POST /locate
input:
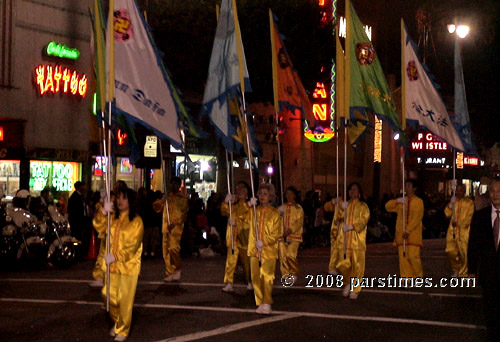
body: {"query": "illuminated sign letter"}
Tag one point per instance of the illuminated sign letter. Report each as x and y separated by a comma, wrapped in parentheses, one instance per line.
(40, 77)
(319, 111)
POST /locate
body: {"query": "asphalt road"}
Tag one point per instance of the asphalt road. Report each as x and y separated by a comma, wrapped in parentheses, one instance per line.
(58, 305)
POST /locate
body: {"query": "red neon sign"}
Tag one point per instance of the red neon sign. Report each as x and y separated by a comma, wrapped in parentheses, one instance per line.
(426, 141)
(1, 133)
(121, 137)
(320, 91)
(55, 79)
(471, 161)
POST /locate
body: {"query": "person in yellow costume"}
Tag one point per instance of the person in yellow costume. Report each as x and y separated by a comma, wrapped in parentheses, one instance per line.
(334, 230)
(410, 265)
(124, 259)
(456, 244)
(238, 250)
(174, 215)
(265, 246)
(293, 222)
(352, 216)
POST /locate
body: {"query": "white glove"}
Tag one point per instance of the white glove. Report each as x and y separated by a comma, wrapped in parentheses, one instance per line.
(453, 183)
(453, 200)
(228, 198)
(347, 227)
(108, 207)
(110, 258)
(231, 222)
(253, 201)
(344, 205)
(281, 210)
(259, 244)
(400, 200)
(334, 201)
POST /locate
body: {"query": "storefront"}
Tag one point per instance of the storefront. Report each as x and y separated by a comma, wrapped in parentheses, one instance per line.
(9, 176)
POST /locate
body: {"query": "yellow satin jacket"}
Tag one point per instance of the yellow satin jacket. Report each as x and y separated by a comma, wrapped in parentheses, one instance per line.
(358, 215)
(240, 216)
(177, 211)
(293, 217)
(125, 242)
(464, 209)
(414, 215)
(270, 229)
(101, 230)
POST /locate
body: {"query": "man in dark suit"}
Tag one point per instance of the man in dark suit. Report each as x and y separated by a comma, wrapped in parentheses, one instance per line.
(77, 215)
(484, 257)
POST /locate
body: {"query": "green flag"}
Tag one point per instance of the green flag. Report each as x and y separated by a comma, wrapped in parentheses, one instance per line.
(366, 87)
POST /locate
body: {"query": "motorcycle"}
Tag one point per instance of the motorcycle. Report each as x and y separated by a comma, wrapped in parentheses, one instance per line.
(63, 248)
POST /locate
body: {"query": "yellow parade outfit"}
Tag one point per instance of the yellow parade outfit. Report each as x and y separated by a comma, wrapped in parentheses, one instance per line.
(353, 265)
(456, 247)
(177, 212)
(97, 272)
(410, 266)
(293, 222)
(329, 207)
(241, 231)
(269, 226)
(126, 247)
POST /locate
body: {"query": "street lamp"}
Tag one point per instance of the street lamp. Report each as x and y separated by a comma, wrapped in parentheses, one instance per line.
(461, 30)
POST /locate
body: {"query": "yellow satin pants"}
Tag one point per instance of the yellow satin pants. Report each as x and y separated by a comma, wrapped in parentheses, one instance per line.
(263, 279)
(172, 250)
(410, 266)
(288, 257)
(97, 272)
(353, 266)
(332, 265)
(232, 262)
(457, 254)
(121, 301)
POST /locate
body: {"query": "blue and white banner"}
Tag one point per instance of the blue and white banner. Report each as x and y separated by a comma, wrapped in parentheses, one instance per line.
(224, 75)
(461, 119)
(423, 102)
(142, 88)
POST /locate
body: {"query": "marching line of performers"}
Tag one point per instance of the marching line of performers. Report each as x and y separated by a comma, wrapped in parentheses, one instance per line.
(257, 233)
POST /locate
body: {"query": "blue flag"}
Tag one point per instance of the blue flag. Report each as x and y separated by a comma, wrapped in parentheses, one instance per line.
(461, 120)
(224, 75)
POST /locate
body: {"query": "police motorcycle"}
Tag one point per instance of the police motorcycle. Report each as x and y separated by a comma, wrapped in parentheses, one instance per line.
(63, 248)
(22, 238)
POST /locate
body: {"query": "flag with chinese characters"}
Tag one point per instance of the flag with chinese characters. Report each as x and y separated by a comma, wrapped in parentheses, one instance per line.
(289, 93)
(423, 104)
(143, 89)
(461, 120)
(366, 87)
(224, 79)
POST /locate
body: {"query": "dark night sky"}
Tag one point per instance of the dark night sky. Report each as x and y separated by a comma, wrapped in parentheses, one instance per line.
(480, 50)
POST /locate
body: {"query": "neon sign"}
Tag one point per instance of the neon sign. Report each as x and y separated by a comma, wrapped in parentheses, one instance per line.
(121, 137)
(56, 79)
(59, 175)
(1, 133)
(62, 51)
(377, 143)
(473, 161)
(320, 112)
(428, 142)
(460, 160)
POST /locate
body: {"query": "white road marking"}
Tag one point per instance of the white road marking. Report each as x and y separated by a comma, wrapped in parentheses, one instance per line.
(291, 313)
(228, 328)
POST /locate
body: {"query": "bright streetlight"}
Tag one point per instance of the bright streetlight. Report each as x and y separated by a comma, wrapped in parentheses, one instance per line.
(461, 30)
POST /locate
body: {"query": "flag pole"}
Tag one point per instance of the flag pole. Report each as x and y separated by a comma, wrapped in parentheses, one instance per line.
(454, 187)
(230, 204)
(276, 110)
(403, 125)
(345, 184)
(249, 152)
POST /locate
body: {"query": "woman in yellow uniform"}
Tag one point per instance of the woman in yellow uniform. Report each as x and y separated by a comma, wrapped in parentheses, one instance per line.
(241, 229)
(410, 265)
(334, 232)
(352, 218)
(456, 244)
(265, 246)
(124, 259)
(293, 222)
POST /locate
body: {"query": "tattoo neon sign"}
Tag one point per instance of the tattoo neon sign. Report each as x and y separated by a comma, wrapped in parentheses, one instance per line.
(56, 79)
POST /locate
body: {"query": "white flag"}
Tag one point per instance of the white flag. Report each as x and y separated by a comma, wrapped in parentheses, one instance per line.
(423, 102)
(142, 88)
